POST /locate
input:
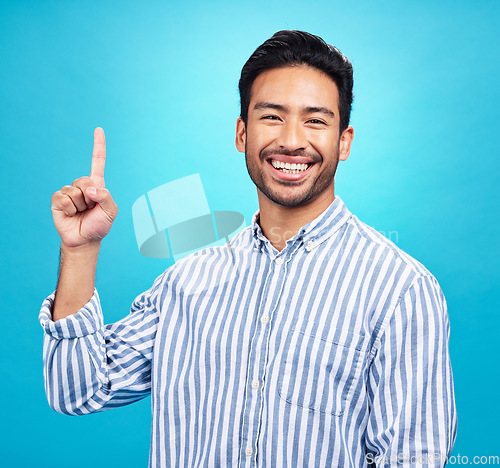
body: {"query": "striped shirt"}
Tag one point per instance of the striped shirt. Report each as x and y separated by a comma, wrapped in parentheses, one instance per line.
(332, 352)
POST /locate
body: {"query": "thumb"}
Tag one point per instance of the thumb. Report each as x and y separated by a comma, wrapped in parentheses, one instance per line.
(103, 197)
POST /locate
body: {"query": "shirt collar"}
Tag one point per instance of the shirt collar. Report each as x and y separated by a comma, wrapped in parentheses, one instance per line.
(314, 232)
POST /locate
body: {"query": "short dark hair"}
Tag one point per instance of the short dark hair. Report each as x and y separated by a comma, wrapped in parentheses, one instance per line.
(291, 48)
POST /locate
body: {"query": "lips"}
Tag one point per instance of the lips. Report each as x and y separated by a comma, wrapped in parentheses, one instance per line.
(290, 169)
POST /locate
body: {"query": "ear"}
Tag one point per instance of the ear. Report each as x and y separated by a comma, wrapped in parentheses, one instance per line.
(241, 135)
(345, 143)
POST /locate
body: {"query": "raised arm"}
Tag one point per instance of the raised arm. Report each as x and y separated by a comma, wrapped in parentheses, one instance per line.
(89, 366)
(83, 213)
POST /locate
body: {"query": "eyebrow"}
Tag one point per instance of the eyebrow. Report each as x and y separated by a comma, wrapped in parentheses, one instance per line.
(270, 105)
(321, 110)
(280, 107)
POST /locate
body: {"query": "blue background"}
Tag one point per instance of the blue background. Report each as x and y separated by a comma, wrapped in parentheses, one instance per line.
(161, 79)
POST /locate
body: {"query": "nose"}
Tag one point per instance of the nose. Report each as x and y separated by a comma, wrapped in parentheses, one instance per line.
(292, 137)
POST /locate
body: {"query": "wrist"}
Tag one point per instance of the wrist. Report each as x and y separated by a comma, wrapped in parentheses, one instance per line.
(86, 250)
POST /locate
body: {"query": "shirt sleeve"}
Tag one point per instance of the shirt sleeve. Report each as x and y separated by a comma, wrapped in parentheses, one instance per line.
(90, 367)
(412, 418)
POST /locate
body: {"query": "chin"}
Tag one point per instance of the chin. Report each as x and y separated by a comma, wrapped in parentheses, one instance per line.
(292, 200)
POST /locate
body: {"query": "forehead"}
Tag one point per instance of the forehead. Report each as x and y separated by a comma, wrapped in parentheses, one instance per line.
(300, 86)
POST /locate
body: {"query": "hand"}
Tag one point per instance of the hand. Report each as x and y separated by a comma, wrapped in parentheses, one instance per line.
(84, 211)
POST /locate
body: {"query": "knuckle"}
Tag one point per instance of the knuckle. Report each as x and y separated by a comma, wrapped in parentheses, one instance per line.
(57, 198)
(82, 182)
(64, 203)
(68, 190)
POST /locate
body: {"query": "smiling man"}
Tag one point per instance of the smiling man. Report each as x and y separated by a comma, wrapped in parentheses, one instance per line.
(308, 340)
(292, 140)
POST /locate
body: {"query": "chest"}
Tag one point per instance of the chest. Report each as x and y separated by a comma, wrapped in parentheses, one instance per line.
(292, 332)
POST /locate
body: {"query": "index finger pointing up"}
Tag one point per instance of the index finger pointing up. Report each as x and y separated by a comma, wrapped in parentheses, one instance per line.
(98, 158)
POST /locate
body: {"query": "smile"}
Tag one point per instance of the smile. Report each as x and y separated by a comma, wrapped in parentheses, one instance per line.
(289, 168)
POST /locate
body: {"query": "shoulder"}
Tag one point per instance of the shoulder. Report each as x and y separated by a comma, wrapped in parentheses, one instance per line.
(402, 273)
(386, 249)
(412, 282)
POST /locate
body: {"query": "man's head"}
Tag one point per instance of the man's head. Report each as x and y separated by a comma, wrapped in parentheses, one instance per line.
(292, 48)
(292, 128)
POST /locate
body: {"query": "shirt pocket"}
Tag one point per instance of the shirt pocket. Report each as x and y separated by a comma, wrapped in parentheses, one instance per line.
(322, 375)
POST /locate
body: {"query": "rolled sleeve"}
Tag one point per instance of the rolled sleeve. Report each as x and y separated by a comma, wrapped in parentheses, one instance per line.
(89, 366)
(87, 321)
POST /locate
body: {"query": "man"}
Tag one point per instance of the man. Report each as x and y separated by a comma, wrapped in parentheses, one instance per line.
(308, 340)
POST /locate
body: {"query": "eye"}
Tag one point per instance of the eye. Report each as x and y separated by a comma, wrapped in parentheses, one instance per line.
(316, 122)
(270, 117)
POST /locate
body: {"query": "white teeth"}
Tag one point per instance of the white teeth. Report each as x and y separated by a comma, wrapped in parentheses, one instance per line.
(289, 168)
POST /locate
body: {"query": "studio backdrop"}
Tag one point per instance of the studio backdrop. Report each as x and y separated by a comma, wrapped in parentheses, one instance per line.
(161, 79)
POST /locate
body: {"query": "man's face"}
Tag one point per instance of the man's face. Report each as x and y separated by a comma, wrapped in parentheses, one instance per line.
(291, 140)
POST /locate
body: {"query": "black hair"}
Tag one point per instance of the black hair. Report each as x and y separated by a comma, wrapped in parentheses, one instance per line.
(290, 48)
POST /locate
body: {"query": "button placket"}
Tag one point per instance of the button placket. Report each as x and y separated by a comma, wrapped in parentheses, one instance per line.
(258, 358)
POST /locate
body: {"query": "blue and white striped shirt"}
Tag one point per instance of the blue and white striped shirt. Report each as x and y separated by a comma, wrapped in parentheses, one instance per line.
(332, 352)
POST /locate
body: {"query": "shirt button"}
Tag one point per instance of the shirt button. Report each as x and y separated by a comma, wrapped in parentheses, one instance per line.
(255, 384)
(279, 261)
(264, 319)
(310, 244)
(249, 451)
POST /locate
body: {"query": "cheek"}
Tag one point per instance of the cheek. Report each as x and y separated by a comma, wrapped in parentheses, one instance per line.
(261, 136)
(326, 146)
(326, 140)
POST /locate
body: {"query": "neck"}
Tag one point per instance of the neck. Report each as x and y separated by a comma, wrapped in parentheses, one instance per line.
(280, 223)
